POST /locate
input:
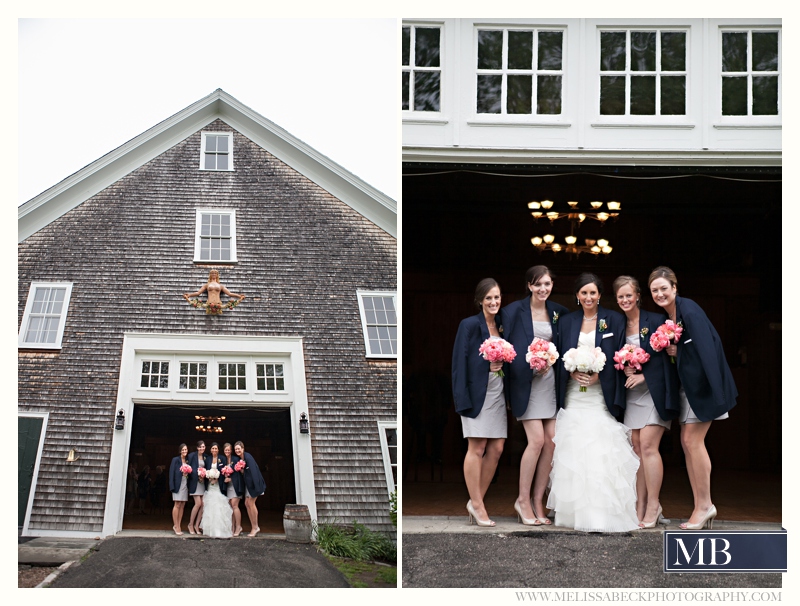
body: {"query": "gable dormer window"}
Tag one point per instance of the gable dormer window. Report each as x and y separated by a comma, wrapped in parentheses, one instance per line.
(215, 235)
(45, 315)
(217, 151)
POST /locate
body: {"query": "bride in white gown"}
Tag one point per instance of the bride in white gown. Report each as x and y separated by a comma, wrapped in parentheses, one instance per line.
(216, 510)
(593, 479)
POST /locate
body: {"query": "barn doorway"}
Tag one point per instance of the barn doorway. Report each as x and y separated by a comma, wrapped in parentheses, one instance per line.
(156, 432)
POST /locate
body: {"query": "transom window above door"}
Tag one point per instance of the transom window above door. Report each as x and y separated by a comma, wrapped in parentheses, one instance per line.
(519, 71)
(215, 236)
(421, 68)
(643, 73)
(750, 73)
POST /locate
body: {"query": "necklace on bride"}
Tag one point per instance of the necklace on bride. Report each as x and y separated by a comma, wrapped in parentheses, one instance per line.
(592, 318)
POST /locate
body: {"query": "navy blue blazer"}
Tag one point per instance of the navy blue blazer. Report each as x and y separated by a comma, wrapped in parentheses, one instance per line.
(659, 373)
(192, 480)
(252, 477)
(237, 482)
(518, 326)
(609, 340)
(175, 475)
(702, 367)
(470, 371)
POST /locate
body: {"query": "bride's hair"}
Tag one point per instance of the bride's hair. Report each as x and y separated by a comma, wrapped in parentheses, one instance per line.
(212, 445)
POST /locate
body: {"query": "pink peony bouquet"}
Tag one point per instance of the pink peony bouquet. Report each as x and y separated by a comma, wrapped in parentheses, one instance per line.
(497, 350)
(240, 465)
(666, 334)
(630, 355)
(186, 469)
(585, 359)
(212, 474)
(227, 471)
(201, 473)
(542, 354)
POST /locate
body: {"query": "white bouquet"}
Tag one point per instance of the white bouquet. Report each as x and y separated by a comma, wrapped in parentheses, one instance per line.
(585, 359)
(212, 473)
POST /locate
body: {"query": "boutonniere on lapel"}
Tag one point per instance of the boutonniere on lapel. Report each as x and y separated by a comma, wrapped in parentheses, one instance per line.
(500, 329)
(643, 333)
(555, 317)
(601, 325)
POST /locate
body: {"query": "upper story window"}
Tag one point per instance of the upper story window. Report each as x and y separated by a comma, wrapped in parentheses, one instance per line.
(388, 435)
(215, 236)
(519, 71)
(155, 374)
(643, 73)
(379, 323)
(422, 70)
(750, 73)
(232, 377)
(45, 315)
(193, 375)
(216, 151)
(269, 377)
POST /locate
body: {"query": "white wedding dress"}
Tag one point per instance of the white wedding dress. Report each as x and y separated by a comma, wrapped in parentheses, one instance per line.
(593, 479)
(217, 513)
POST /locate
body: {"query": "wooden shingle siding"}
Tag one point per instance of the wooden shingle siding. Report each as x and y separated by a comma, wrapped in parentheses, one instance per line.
(128, 251)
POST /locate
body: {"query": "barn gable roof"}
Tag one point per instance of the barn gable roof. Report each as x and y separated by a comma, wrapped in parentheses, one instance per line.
(85, 183)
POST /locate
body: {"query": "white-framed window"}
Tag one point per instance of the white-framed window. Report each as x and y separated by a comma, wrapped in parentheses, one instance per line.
(155, 374)
(216, 152)
(379, 322)
(215, 235)
(422, 68)
(193, 376)
(45, 315)
(388, 435)
(643, 72)
(751, 72)
(519, 71)
(232, 376)
(269, 377)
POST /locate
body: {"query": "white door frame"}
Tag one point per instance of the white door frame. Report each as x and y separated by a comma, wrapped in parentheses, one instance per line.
(45, 417)
(288, 350)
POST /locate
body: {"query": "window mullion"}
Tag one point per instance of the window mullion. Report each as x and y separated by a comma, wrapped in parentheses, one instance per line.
(504, 75)
(412, 64)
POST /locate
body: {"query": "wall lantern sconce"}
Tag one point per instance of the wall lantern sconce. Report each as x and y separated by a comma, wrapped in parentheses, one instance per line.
(72, 457)
(120, 422)
(303, 423)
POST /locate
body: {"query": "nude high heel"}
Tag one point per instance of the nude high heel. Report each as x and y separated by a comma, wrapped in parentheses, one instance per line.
(708, 518)
(534, 521)
(478, 521)
(652, 524)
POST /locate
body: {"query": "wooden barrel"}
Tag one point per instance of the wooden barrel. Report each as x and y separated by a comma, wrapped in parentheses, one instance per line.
(297, 523)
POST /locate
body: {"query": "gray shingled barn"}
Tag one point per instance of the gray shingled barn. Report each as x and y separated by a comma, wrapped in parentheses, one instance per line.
(116, 368)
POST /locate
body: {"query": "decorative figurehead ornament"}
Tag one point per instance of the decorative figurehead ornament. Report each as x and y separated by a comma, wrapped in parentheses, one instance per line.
(213, 305)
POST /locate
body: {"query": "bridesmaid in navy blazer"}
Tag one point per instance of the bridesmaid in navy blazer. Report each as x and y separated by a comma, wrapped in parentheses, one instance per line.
(708, 391)
(479, 397)
(254, 486)
(652, 398)
(178, 487)
(194, 489)
(233, 488)
(539, 423)
(609, 329)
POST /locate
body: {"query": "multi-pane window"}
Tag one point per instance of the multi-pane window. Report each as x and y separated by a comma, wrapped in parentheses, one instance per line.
(217, 151)
(643, 73)
(269, 377)
(215, 235)
(155, 374)
(422, 70)
(232, 377)
(379, 322)
(193, 375)
(45, 315)
(388, 435)
(750, 73)
(519, 71)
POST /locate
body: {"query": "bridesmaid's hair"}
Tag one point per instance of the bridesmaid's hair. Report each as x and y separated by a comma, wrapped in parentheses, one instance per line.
(588, 278)
(199, 442)
(181, 447)
(481, 289)
(622, 281)
(665, 272)
(225, 445)
(239, 443)
(536, 273)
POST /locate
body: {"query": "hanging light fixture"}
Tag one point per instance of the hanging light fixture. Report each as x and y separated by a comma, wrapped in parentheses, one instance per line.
(575, 218)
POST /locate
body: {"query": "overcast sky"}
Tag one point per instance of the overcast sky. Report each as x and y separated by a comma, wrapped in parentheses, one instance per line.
(86, 86)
